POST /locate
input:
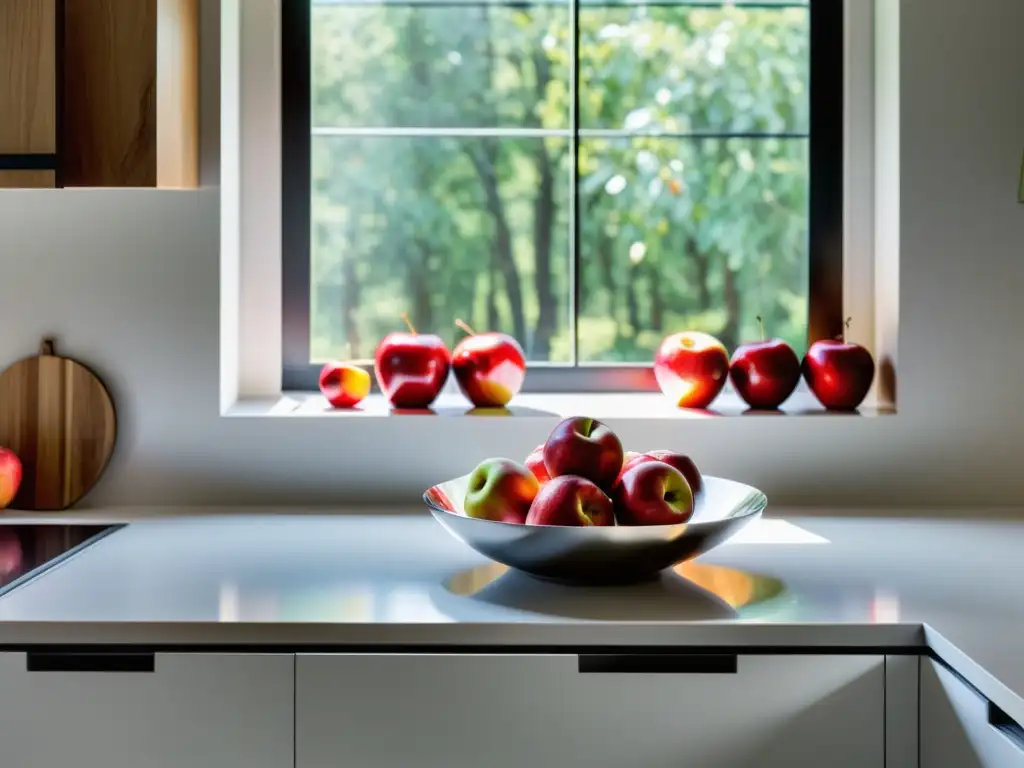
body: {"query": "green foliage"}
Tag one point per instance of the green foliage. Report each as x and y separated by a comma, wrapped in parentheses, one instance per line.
(675, 233)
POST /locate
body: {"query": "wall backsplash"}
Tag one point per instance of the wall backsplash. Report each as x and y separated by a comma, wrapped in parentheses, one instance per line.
(127, 281)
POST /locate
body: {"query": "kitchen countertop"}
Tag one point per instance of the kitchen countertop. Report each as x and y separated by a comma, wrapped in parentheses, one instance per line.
(296, 579)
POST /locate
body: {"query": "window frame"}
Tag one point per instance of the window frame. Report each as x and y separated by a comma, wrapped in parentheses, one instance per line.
(826, 204)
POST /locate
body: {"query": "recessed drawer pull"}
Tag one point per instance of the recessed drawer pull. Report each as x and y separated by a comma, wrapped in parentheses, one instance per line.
(90, 662)
(1006, 725)
(658, 663)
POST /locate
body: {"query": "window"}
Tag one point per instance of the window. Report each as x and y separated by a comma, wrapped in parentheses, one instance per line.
(587, 175)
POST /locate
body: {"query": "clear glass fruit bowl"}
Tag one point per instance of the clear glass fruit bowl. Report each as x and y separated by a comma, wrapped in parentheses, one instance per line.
(600, 554)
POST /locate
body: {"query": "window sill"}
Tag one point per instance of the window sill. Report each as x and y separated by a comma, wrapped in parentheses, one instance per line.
(543, 405)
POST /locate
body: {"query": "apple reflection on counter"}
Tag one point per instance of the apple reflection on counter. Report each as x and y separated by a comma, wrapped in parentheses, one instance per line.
(23, 548)
(690, 591)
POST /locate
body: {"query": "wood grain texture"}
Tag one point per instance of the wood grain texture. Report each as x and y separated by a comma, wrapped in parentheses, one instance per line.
(27, 179)
(28, 66)
(59, 418)
(177, 93)
(109, 127)
(131, 93)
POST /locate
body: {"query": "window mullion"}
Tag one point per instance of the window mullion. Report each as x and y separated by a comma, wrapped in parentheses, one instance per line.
(574, 167)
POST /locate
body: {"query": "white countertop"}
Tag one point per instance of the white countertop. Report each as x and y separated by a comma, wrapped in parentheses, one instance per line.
(296, 579)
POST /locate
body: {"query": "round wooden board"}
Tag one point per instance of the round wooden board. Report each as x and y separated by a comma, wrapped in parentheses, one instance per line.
(57, 416)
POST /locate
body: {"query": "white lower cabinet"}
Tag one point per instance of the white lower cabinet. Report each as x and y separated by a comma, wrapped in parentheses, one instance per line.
(190, 711)
(541, 711)
(957, 728)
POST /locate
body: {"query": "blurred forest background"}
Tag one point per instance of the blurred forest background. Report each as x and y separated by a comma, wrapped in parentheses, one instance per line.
(692, 177)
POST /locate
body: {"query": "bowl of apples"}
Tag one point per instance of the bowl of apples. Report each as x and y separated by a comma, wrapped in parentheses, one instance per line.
(581, 510)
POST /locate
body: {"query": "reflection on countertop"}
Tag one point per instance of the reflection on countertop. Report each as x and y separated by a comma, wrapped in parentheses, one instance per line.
(690, 592)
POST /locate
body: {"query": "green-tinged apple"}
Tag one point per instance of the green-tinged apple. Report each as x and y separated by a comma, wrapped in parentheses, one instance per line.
(10, 476)
(691, 368)
(586, 448)
(535, 463)
(680, 461)
(500, 490)
(571, 501)
(684, 464)
(653, 493)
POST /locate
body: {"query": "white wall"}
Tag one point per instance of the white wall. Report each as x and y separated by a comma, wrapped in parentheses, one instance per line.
(128, 283)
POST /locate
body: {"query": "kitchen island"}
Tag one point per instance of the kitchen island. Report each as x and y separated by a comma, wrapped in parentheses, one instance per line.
(285, 638)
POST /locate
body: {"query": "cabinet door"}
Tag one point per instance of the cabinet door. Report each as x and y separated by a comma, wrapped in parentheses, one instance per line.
(956, 725)
(510, 711)
(189, 711)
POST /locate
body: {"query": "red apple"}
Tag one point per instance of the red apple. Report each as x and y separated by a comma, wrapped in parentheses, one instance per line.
(839, 372)
(535, 463)
(584, 447)
(489, 367)
(571, 500)
(11, 555)
(501, 490)
(631, 459)
(343, 384)
(653, 493)
(10, 476)
(685, 465)
(764, 373)
(691, 368)
(411, 368)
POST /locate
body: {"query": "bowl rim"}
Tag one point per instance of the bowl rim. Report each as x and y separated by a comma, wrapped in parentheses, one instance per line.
(754, 504)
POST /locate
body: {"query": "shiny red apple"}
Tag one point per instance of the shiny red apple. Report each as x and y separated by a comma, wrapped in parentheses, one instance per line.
(571, 500)
(411, 368)
(535, 463)
(691, 368)
(489, 367)
(680, 461)
(764, 373)
(839, 372)
(584, 447)
(343, 384)
(501, 490)
(10, 476)
(653, 493)
(685, 465)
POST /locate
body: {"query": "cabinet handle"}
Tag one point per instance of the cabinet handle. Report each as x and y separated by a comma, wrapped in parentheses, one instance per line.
(1006, 725)
(658, 663)
(90, 662)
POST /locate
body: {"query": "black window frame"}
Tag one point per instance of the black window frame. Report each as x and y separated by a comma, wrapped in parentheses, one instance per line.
(825, 208)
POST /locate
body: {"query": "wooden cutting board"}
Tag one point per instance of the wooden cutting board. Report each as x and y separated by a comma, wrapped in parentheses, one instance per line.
(59, 418)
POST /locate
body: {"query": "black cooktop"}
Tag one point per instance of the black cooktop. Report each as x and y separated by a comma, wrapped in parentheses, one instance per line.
(29, 550)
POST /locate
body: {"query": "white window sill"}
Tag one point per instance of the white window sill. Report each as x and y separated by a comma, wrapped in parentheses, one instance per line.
(547, 405)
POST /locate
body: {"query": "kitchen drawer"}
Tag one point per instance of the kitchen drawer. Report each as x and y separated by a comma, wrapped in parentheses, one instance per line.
(959, 729)
(511, 711)
(189, 711)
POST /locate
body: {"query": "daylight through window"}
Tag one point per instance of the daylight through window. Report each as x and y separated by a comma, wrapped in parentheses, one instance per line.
(587, 177)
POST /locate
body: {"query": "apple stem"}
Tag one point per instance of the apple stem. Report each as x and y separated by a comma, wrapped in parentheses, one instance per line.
(464, 327)
(408, 322)
(846, 327)
(760, 325)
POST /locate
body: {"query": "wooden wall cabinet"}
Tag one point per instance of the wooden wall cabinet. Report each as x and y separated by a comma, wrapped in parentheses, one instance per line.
(130, 96)
(28, 93)
(99, 93)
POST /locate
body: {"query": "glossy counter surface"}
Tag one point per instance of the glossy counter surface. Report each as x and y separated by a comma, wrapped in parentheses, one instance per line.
(294, 579)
